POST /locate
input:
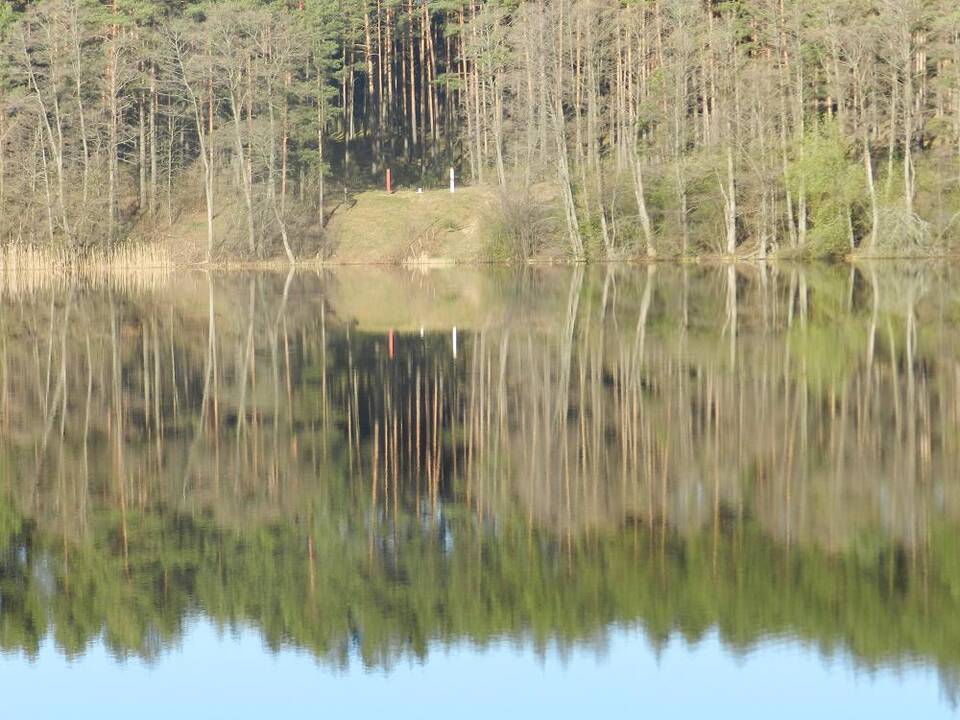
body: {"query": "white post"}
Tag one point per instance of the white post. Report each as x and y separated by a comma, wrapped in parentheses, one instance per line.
(453, 184)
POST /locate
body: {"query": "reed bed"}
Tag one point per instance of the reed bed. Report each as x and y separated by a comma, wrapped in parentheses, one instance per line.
(25, 269)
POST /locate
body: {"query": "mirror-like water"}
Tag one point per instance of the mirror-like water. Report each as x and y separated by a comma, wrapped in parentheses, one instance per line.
(643, 486)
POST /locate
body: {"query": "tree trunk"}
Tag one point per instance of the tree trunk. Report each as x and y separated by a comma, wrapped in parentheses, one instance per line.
(640, 195)
(872, 190)
(236, 108)
(731, 204)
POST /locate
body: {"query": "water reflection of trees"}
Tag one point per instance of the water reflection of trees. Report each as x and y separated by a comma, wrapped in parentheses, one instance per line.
(767, 451)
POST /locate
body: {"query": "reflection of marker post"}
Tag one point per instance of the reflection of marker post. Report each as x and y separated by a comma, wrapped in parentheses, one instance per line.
(454, 342)
(453, 184)
(389, 182)
(392, 345)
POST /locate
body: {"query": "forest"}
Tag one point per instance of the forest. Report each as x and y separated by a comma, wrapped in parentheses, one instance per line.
(610, 129)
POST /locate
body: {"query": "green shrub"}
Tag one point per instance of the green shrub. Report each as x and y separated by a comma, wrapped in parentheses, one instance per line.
(821, 166)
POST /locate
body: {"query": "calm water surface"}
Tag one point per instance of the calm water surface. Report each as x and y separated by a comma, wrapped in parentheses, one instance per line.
(697, 491)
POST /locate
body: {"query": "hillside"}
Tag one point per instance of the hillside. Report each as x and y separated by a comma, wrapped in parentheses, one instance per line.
(434, 226)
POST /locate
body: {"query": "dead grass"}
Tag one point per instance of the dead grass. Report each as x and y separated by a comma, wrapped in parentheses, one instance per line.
(26, 269)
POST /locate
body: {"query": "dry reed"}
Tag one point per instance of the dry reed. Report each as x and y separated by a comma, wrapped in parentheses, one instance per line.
(25, 269)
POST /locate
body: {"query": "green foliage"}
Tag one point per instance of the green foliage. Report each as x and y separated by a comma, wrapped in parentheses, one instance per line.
(821, 167)
(6, 19)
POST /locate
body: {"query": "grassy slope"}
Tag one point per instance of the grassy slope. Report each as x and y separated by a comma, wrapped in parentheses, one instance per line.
(408, 227)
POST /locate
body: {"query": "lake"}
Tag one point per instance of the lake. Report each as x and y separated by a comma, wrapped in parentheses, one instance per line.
(693, 490)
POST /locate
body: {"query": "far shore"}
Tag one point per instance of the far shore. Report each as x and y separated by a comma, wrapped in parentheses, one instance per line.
(412, 229)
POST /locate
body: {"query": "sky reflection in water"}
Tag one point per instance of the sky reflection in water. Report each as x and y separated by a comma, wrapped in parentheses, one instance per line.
(230, 675)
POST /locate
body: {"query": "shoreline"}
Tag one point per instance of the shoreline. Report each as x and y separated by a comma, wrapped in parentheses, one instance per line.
(312, 264)
(418, 230)
(122, 263)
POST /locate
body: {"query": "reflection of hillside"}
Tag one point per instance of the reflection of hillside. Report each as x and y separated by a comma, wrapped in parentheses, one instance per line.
(768, 452)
